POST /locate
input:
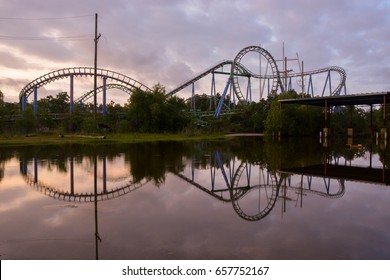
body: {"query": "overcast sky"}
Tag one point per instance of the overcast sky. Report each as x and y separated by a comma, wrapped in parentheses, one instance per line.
(170, 41)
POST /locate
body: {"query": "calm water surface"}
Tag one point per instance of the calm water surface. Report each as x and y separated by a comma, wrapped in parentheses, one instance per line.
(248, 198)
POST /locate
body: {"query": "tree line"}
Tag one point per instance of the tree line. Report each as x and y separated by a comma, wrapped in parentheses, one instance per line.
(154, 112)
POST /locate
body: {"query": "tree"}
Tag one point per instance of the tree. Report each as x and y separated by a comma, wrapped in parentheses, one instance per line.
(155, 112)
(252, 116)
(293, 120)
(1, 98)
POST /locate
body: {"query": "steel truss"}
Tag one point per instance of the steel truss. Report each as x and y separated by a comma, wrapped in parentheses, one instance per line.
(120, 79)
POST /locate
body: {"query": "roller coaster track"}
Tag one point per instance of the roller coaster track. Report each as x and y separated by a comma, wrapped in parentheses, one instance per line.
(200, 76)
(82, 197)
(237, 69)
(340, 193)
(121, 79)
(237, 192)
(241, 69)
(89, 94)
(337, 69)
(275, 186)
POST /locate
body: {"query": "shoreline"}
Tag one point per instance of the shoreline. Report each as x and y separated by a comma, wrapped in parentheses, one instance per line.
(59, 139)
(245, 134)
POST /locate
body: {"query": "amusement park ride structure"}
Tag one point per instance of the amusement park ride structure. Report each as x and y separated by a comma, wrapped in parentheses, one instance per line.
(252, 62)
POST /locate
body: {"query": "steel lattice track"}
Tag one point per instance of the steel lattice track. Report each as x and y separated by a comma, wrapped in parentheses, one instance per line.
(81, 71)
(238, 69)
(82, 197)
(128, 84)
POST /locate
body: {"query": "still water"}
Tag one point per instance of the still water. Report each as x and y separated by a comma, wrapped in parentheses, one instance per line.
(245, 198)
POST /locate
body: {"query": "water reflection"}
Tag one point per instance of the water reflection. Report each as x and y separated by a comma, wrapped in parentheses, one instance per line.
(221, 174)
(253, 176)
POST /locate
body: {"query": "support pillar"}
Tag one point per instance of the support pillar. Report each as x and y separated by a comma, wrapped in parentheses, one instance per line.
(217, 113)
(104, 96)
(71, 163)
(71, 93)
(35, 170)
(249, 91)
(23, 167)
(35, 101)
(269, 88)
(350, 128)
(371, 128)
(104, 174)
(326, 130)
(384, 129)
(384, 111)
(213, 93)
(193, 98)
(24, 103)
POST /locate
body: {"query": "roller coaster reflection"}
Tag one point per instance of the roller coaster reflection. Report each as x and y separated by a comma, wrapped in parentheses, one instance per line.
(251, 188)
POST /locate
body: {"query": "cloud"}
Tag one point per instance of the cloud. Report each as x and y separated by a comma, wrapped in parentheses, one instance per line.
(167, 42)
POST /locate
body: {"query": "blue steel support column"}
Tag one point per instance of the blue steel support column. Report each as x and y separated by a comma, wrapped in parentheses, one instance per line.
(35, 170)
(71, 94)
(248, 173)
(104, 174)
(268, 87)
(212, 92)
(193, 98)
(24, 103)
(104, 96)
(35, 101)
(249, 90)
(23, 166)
(222, 168)
(310, 86)
(220, 104)
(193, 170)
(326, 83)
(71, 162)
(212, 173)
(234, 98)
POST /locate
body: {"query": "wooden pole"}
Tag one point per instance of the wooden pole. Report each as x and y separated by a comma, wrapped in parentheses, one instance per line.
(95, 68)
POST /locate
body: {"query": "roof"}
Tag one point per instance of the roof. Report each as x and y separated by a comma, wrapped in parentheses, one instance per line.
(362, 174)
(340, 100)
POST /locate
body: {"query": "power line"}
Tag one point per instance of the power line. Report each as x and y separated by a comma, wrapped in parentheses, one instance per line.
(44, 18)
(46, 38)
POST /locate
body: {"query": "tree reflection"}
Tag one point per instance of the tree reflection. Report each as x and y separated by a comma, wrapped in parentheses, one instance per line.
(232, 160)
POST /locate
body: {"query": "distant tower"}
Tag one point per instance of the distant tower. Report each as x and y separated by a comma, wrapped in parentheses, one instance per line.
(1, 97)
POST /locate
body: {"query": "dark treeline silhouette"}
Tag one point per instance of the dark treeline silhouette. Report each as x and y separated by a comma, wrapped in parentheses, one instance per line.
(154, 112)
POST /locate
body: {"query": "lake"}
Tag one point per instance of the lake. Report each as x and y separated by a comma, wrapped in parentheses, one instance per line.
(244, 198)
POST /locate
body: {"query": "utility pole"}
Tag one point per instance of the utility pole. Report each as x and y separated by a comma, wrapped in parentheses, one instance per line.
(303, 82)
(97, 36)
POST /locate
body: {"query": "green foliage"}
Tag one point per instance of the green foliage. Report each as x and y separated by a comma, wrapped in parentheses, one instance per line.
(155, 112)
(344, 117)
(293, 120)
(27, 123)
(251, 117)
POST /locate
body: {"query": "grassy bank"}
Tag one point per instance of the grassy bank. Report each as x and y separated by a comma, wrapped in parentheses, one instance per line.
(51, 139)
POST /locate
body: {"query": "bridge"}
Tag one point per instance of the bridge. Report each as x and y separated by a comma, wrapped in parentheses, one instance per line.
(252, 63)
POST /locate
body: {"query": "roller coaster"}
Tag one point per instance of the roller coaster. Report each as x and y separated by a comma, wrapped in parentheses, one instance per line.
(252, 190)
(252, 62)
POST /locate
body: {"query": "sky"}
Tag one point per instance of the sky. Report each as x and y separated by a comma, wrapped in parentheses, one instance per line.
(168, 42)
